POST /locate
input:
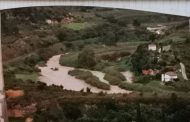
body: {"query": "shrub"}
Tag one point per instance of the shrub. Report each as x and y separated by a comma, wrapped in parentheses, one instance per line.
(144, 79)
(75, 72)
(48, 40)
(182, 86)
(114, 56)
(135, 87)
(89, 78)
(136, 23)
(41, 85)
(101, 65)
(114, 72)
(113, 80)
(68, 60)
(113, 76)
(86, 59)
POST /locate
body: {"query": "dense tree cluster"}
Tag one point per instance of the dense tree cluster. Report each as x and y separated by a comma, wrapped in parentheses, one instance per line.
(112, 112)
(86, 59)
(144, 59)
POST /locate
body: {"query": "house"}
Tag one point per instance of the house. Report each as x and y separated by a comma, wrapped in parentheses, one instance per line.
(169, 77)
(152, 47)
(150, 72)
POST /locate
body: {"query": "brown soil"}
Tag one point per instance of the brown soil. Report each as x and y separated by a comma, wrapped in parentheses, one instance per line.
(14, 93)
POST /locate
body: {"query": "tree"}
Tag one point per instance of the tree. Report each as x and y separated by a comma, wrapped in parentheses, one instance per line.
(86, 59)
(139, 116)
(136, 23)
(72, 111)
(109, 38)
(144, 59)
(152, 37)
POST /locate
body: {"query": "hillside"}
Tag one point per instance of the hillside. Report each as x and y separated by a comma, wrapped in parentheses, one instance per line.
(78, 64)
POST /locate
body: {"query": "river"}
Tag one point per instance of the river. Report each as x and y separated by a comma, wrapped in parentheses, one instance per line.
(61, 77)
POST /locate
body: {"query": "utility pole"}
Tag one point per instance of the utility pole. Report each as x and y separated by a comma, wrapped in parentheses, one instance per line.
(3, 105)
(189, 25)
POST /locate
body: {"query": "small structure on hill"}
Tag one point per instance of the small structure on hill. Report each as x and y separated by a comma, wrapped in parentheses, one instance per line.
(150, 72)
(159, 29)
(152, 47)
(169, 77)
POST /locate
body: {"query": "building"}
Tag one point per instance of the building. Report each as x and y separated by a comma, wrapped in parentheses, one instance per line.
(152, 47)
(159, 29)
(169, 77)
(150, 72)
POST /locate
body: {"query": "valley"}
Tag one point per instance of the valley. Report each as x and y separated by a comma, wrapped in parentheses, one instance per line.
(81, 64)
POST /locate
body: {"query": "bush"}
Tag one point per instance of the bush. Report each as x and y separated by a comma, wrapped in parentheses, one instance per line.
(48, 40)
(182, 86)
(113, 76)
(89, 78)
(115, 73)
(41, 85)
(144, 79)
(101, 65)
(86, 59)
(113, 80)
(135, 87)
(68, 60)
(136, 23)
(66, 35)
(75, 72)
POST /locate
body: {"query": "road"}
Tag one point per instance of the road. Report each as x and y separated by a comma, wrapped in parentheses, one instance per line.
(183, 71)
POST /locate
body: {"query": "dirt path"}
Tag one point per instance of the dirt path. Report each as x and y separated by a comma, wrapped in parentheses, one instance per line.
(183, 71)
(129, 76)
(61, 77)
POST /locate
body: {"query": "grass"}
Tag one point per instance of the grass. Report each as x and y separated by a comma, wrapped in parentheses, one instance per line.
(152, 86)
(77, 26)
(177, 37)
(135, 87)
(24, 77)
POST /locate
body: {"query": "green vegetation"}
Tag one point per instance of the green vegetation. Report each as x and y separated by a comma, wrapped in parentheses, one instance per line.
(100, 39)
(32, 76)
(144, 59)
(77, 26)
(86, 59)
(16, 119)
(89, 78)
(69, 60)
(136, 87)
(112, 112)
(114, 73)
(113, 76)
(124, 65)
(181, 51)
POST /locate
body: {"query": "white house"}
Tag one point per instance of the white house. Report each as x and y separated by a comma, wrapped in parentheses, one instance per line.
(169, 77)
(152, 47)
